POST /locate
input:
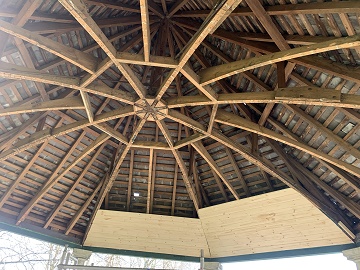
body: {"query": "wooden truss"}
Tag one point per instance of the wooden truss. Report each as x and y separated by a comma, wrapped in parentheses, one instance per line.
(118, 116)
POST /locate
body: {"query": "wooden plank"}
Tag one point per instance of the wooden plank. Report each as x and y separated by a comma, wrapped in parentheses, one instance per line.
(233, 232)
(129, 191)
(145, 29)
(216, 73)
(236, 121)
(152, 233)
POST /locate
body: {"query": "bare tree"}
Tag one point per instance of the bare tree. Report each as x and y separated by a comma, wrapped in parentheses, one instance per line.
(20, 252)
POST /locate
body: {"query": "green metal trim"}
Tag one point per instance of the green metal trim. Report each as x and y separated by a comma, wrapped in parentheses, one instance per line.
(284, 254)
(37, 235)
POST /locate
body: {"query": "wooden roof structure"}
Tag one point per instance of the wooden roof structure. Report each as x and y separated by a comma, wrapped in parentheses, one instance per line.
(170, 106)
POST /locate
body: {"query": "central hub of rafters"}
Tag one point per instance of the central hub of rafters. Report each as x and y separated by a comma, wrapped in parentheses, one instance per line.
(144, 108)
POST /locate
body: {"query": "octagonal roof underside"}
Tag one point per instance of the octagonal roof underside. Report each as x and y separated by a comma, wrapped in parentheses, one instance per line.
(166, 107)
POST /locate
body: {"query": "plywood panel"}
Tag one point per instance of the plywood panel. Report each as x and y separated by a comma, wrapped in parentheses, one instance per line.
(276, 221)
(149, 233)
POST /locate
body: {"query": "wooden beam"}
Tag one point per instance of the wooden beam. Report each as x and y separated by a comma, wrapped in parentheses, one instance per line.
(195, 80)
(189, 139)
(112, 132)
(20, 19)
(325, 65)
(189, 187)
(145, 29)
(131, 170)
(242, 180)
(73, 103)
(176, 6)
(11, 71)
(55, 177)
(216, 73)
(155, 9)
(255, 159)
(236, 121)
(116, 168)
(46, 27)
(294, 95)
(114, 5)
(262, 37)
(148, 199)
(78, 9)
(81, 59)
(207, 157)
(48, 134)
(211, 23)
(154, 60)
(320, 199)
(6, 195)
(288, 9)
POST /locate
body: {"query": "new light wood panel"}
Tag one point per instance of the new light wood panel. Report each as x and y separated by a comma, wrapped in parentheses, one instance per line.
(149, 233)
(277, 221)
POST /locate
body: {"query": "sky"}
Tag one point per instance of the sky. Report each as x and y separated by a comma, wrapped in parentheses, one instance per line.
(334, 261)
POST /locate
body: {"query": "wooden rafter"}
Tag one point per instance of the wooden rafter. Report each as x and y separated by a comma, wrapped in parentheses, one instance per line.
(74, 56)
(42, 136)
(214, 19)
(321, 64)
(144, 8)
(73, 103)
(236, 121)
(10, 71)
(161, 124)
(205, 154)
(79, 213)
(216, 73)
(56, 176)
(63, 200)
(295, 95)
(79, 11)
(305, 8)
(176, 6)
